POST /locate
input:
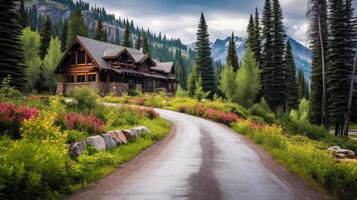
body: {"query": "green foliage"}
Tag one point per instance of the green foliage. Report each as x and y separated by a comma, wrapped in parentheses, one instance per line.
(7, 92)
(64, 35)
(227, 83)
(248, 80)
(232, 58)
(11, 53)
(262, 110)
(303, 86)
(292, 85)
(146, 49)
(180, 92)
(86, 97)
(76, 27)
(74, 136)
(303, 111)
(257, 43)
(33, 170)
(127, 41)
(100, 33)
(31, 45)
(45, 35)
(204, 59)
(191, 81)
(50, 62)
(199, 93)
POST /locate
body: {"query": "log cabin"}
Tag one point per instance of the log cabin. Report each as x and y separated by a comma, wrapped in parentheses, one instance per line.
(112, 69)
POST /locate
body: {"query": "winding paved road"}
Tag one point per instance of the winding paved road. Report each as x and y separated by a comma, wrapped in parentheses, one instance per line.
(204, 160)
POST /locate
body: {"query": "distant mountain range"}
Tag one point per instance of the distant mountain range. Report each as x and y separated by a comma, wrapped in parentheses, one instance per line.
(302, 54)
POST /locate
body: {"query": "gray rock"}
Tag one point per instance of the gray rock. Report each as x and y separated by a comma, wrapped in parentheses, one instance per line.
(131, 134)
(141, 130)
(110, 142)
(77, 148)
(340, 156)
(119, 137)
(347, 152)
(97, 142)
(334, 148)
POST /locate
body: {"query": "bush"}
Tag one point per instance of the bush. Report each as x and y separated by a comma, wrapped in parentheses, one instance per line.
(262, 110)
(11, 117)
(86, 97)
(74, 136)
(78, 121)
(33, 170)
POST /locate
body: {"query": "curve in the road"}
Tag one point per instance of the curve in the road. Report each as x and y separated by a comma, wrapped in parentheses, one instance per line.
(200, 159)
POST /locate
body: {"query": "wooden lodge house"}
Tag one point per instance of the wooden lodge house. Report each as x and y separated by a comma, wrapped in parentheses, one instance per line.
(112, 69)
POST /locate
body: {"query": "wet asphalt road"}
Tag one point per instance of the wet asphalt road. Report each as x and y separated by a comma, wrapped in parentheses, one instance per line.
(200, 160)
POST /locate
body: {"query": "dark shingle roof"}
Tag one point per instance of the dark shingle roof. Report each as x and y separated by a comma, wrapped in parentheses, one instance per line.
(163, 66)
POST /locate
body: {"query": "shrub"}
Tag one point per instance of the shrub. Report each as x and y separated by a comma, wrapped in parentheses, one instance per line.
(8, 92)
(262, 110)
(33, 170)
(78, 121)
(11, 117)
(220, 116)
(86, 97)
(74, 136)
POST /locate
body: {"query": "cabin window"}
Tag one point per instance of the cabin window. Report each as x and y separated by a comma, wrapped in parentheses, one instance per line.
(70, 78)
(81, 78)
(92, 78)
(81, 57)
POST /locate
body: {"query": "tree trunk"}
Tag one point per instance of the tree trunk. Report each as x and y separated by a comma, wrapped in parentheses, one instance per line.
(323, 65)
(350, 97)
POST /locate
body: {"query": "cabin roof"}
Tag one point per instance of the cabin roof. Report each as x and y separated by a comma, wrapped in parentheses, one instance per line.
(101, 51)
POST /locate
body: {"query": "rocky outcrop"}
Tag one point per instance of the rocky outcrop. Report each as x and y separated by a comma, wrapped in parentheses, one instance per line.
(108, 141)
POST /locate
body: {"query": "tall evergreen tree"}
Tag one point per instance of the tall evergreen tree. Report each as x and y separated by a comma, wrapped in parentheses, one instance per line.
(138, 42)
(257, 43)
(232, 58)
(100, 33)
(292, 85)
(33, 17)
(191, 81)
(303, 86)
(317, 35)
(64, 34)
(146, 49)
(46, 33)
(23, 15)
(251, 31)
(267, 65)
(278, 88)
(127, 41)
(180, 69)
(11, 53)
(203, 58)
(76, 27)
(340, 56)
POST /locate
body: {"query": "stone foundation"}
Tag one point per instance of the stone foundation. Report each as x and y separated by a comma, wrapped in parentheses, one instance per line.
(100, 87)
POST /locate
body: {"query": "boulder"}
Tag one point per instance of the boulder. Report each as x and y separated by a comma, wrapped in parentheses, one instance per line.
(110, 142)
(348, 153)
(334, 148)
(119, 137)
(141, 130)
(340, 156)
(77, 148)
(97, 142)
(131, 134)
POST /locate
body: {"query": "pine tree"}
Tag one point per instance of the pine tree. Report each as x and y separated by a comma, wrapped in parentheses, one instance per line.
(191, 81)
(138, 42)
(340, 56)
(23, 15)
(232, 58)
(292, 85)
(227, 84)
(267, 65)
(11, 53)
(247, 80)
(317, 35)
(251, 31)
(46, 33)
(76, 27)
(145, 44)
(64, 34)
(180, 70)
(278, 88)
(199, 92)
(203, 58)
(33, 17)
(100, 33)
(127, 42)
(257, 44)
(303, 86)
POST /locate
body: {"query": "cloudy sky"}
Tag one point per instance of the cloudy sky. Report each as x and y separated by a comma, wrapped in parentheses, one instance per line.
(179, 18)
